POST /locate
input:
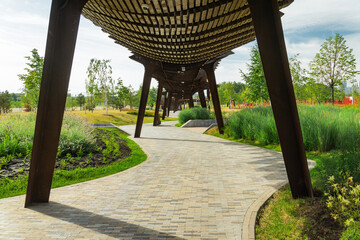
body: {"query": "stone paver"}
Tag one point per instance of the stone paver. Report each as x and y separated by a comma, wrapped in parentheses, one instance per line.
(193, 186)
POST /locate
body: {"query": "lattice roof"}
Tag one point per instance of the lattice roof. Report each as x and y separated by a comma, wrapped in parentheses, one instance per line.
(175, 31)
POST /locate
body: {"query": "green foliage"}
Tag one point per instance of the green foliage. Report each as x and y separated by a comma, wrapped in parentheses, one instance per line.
(118, 95)
(253, 124)
(5, 102)
(193, 113)
(352, 232)
(99, 80)
(32, 78)
(152, 97)
(299, 78)
(71, 102)
(230, 92)
(13, 187)
(334, 64)
(335, 162)
(343, 199)
(80, 99)
(17, 133)
(324, 127)
(255, 79)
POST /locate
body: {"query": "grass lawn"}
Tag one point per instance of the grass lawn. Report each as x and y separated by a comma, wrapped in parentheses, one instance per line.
(115, 117)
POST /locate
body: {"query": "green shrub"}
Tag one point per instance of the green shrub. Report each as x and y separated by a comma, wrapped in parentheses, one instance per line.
(352, 232)
(343, 199)
(192, 114)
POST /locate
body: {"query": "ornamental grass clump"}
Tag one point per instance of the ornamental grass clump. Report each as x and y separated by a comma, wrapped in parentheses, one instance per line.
(323, 127)
(17, 134)
(254, 124)
(192, 114)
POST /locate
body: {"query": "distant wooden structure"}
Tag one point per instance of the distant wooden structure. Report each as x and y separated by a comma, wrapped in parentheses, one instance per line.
(179, 43)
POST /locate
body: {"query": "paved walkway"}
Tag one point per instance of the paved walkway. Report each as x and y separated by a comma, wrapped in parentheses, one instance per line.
(193, 186)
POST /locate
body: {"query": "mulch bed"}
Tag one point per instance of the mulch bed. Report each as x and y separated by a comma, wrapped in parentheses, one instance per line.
(322, 225)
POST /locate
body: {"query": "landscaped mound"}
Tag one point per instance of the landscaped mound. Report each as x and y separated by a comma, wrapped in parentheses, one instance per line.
(17, 134)
(84, 152)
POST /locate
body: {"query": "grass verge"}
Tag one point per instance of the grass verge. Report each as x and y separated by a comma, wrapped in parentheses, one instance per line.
(61, 178)
(115, 117)
(283, 217)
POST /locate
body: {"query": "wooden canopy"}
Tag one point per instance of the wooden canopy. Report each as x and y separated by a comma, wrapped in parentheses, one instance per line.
(179, 42)
(180, 31)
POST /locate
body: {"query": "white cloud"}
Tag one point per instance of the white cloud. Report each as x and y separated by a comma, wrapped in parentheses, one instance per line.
(326, 14)
(23, 18)
(306, 25)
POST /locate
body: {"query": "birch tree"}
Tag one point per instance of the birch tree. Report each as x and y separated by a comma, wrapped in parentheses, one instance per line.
(334, 64)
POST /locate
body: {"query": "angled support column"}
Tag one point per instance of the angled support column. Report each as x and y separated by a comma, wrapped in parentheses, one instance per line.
(165, 104)
(157, 106)
(202, 98)
(191, 101)
(60, 46)
(208, 98)
(169, 104)
(210, 72)
(149, 70)
(270, 38)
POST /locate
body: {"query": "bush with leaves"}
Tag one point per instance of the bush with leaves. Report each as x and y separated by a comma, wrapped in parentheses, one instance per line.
(192, 114)
(343, 199)
(5, 102)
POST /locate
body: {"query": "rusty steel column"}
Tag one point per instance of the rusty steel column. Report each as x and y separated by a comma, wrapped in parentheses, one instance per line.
(202, 98)
(210, 72)
(157, 106)
(165, 104)
(270, 38)
(144, 96)
(208, 97)
(191, 101)
(169, 104)
(60, 46)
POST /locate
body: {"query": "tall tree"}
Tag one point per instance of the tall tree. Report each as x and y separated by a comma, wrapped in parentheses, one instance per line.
(255, 79)
(5, 102)
(32, 78)
(334, 64)
(230, 92)
(130, 96)
(152, 97)
(100, 79)
(80, 99)
(118, 94)
(299, 78)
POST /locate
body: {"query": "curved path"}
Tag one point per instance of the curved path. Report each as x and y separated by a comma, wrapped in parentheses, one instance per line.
(193, 186)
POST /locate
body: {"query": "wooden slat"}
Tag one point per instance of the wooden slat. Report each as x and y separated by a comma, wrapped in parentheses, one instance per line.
(175, 31)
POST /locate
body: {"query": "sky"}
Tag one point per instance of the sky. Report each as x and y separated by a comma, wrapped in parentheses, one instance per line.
(23, 27)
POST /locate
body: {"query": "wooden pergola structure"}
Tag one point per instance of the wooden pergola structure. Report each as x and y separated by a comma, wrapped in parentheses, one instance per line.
(179, 42)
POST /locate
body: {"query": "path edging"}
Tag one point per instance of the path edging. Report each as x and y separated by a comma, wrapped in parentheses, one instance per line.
(248, 226)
